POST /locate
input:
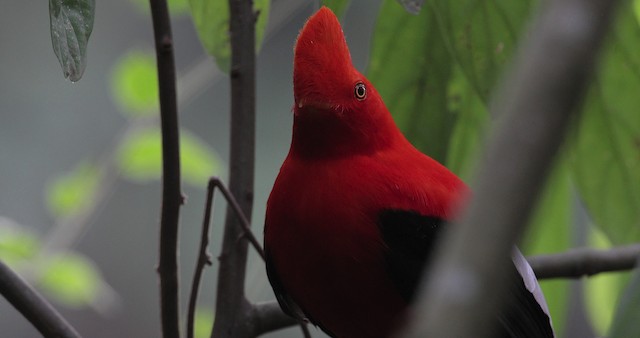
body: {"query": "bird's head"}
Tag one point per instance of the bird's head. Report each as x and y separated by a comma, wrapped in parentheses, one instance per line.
(337, 110)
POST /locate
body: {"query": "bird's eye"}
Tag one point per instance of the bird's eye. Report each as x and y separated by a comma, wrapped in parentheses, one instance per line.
(360, 91)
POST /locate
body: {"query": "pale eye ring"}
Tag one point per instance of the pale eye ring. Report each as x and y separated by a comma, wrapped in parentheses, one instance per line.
(360, 91)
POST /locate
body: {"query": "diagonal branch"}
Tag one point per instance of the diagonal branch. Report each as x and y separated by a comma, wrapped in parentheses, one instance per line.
(545, 87)
(172, 197)
(582, 262)
(33, 306)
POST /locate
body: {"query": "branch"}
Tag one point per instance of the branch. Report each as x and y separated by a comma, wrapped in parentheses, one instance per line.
(33, 306)
(172, 197)
(267, 317)
(546, 86)
(232, 308)
(581, 262)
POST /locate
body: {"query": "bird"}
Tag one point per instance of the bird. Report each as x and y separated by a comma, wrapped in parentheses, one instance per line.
(356, 210)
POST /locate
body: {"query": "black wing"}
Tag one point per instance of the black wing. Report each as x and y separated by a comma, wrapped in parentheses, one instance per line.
(286, 302)
(410, 238)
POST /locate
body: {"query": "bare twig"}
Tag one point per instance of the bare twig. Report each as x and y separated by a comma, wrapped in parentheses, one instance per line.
(268, 317)
(582, 262)
(550, 75)
(33, 306)
(232, 308)
(203, 260)
(243, 221)
(172, 197)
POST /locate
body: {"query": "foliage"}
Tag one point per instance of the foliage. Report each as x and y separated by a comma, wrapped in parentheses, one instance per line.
(71, 26)
(439, 92)
(211, 19)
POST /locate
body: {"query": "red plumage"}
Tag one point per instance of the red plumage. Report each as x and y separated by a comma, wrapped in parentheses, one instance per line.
(348, 164)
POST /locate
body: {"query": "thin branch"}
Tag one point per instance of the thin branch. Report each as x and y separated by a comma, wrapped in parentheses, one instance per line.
(546, 86)
(33, 306)
(232, 308)
(172, 197)
(243, 221)
(268, 316)
(204, 259)
(582, 262)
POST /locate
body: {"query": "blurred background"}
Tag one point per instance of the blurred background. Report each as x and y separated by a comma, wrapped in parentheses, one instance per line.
(57, 136)
(79, 162)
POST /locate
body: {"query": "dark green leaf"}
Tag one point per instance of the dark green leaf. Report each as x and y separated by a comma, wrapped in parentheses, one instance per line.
(71, 26)
(140, 158)
(74, 191)
(606, 156)
(211, 18)
(134, 84)
(412, 6)
(625, 322)
(337, 6)
(550, 232)
(410, 67)
(602, 292)
(480, 36)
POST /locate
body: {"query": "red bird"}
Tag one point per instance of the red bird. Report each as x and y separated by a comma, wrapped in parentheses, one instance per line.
(356, 209)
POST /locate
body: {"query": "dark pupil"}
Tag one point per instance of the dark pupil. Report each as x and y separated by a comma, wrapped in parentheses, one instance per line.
(360, 90)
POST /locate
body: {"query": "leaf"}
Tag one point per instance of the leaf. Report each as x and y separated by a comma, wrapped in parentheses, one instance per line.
(17, 243)
(625, 322)
(73, 191)
(337, 6)
(602, 292)
(71, 26)
(480, 36)
(606, 157)
(134, 84)
(413, 81)
(468, 132)
(211, 19)
(203, 323)
(412, 6)
(140, 158)
(71, 279)
(549, 232)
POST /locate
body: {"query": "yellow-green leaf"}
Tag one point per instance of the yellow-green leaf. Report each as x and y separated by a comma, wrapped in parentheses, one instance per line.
(140, 158)
(203, 323)
(73, 191)
(134, 84)
(71, 279)
(17, 243)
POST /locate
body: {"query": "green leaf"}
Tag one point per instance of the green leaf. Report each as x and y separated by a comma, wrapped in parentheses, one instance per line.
(602, 292)
(140, 158)
(203, 323)
(71, 25)
(606, 156)
(625, 322)
(134, 84)
(413, 81)
(71, 279)
(73, 191)
(211, 19)
(337, 6)
(480, 36)
(17, 243)
(550, 232)
(468, 133)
